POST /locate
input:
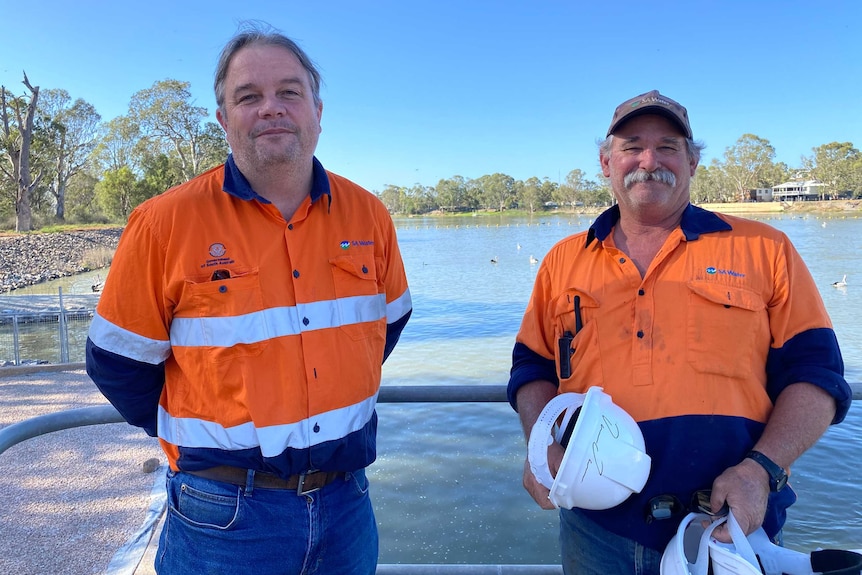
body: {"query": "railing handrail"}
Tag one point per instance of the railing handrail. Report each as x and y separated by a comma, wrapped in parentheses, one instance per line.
(96, 415)
(103, 414)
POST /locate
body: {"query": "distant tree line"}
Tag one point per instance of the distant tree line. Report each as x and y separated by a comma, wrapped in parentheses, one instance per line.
(60, 162)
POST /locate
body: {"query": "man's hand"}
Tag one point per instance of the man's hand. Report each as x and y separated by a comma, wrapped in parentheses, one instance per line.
(537, 491)
(745, 489)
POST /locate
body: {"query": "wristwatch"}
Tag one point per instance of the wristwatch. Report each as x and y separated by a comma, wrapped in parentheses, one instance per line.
(777, 475)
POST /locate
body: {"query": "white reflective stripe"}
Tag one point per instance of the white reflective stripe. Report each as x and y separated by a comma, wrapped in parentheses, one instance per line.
(276, 322)
(113, 338)
(232, 330)
(191, 432)
(330, 425)
(273, 439)
(397, 308)
(360, 309)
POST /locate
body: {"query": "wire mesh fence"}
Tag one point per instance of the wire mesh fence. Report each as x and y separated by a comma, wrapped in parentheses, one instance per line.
(44, 329)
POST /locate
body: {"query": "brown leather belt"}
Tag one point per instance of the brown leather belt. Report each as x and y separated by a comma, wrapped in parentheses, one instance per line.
(303, 483)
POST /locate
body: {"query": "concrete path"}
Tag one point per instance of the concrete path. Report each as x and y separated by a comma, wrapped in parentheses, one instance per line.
(71, 499)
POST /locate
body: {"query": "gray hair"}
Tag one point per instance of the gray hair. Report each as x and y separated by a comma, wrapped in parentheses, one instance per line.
(256, 33)
(693, 147)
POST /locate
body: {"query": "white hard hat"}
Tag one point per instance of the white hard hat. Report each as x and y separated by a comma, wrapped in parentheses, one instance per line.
(605, 460)
(688, 550)
(757, 555)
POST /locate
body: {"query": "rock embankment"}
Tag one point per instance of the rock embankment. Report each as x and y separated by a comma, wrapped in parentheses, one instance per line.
(27, 259)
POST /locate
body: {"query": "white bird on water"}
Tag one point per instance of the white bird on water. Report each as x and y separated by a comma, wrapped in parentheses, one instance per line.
(494, 260)
(842, 283)
(533, 260)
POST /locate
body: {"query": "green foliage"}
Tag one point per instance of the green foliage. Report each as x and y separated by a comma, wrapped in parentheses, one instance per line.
(839, 166)
(171, 122)
(117, 193)
(748, 164)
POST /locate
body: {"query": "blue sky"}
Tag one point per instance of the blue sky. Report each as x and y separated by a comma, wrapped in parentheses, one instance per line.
(416, 91)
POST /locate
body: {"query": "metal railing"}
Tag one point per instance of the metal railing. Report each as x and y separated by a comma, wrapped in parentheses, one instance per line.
(104, 414)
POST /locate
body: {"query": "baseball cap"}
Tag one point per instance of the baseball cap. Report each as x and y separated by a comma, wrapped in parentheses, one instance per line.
(651, 103)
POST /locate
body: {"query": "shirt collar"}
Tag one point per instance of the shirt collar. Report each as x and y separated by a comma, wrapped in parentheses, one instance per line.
(236, 184)
(695, 221)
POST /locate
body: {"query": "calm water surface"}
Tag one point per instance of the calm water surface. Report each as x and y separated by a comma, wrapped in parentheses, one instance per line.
(447, 483)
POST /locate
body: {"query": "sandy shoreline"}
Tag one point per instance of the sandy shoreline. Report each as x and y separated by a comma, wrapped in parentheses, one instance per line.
(72, 498)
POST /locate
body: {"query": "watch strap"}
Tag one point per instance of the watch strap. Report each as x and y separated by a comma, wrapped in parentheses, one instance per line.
(777, 474)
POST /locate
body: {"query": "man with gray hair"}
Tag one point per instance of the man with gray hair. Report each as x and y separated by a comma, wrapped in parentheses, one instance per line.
(707, 329)
(244, 324)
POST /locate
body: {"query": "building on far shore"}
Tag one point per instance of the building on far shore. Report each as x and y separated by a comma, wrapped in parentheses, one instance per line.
(760, 194)
(807, 190)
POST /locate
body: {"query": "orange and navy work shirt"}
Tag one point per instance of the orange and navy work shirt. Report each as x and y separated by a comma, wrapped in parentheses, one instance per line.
(696, 350)
(241, 339)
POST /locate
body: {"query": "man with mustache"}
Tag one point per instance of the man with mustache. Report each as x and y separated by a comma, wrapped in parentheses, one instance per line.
(707, 329)
(244, 324)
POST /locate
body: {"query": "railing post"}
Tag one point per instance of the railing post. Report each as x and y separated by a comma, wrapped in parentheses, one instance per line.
(63, 327)
(16, 351)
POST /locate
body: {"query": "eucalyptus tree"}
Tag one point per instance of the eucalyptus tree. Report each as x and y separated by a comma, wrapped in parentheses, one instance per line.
(118, 192)
(214, 148)
(573, 190)
(709, 184)
(838, 166)
(453, 194)
(118, 145)
(167, 116)
(532, 195)
(119, 157)
(748, 164)
(498, 190)
(17, 116)
(394, 198)
(69, 130)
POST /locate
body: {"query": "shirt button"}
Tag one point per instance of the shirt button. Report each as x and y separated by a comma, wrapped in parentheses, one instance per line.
(305, 321)
(640, 334)
(641, 292)
(296, 273)
(290, 226)
(222, 289)
(622, 260)
(364, 270)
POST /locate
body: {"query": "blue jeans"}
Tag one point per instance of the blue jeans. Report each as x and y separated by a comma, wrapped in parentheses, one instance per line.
(218, 528)
(587, 549)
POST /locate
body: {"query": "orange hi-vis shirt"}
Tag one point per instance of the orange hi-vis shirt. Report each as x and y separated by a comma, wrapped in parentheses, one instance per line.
(242, 339)
(696, 350)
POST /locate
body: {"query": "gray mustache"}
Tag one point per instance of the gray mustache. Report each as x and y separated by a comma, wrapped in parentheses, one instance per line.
(662, 175)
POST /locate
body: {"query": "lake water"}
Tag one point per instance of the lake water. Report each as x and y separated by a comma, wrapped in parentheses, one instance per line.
(447, 483)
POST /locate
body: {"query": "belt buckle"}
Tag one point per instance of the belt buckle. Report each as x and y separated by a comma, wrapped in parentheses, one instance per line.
(300, 484)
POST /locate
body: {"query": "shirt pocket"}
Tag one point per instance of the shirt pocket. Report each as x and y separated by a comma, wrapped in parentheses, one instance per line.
(722, 329)
(360, 308)
(224, 318)
(584, 357)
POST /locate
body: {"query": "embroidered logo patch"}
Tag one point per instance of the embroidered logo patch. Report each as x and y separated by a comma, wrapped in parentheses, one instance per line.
(218, 257)
(713, 271)
(347, 243)
(217, 250)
